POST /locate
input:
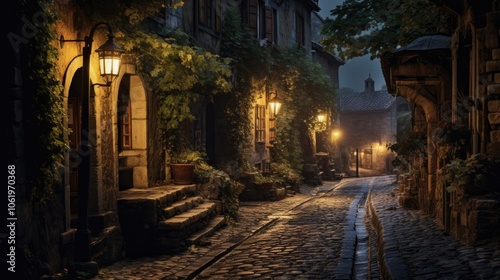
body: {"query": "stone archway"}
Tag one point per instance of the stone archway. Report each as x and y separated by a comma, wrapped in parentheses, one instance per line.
(130, 132)
(72, 104)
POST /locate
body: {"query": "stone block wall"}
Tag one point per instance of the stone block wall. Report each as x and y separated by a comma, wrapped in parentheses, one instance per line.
(476, 220)
(492, 71)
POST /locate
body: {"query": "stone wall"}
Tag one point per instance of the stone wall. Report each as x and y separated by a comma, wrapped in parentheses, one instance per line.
(492, 72)
(476, 218)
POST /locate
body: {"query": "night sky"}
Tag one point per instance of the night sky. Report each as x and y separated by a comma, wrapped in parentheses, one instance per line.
(355, 71)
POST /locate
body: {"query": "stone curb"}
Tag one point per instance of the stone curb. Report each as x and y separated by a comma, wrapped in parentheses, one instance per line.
(392, 266)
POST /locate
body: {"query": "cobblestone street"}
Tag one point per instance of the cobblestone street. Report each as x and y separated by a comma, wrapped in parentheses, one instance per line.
(324, 232)
(304, 243)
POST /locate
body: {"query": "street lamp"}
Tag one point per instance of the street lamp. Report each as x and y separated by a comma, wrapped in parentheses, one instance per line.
(357, 162)
(335, 135)
(321, 118)
(274, 106)
(109, 67)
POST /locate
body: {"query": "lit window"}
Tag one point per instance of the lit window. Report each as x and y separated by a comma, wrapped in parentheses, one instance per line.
(124, 121)
(260, 123)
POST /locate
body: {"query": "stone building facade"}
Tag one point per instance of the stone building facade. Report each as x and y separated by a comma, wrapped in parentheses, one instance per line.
(368, 121)
(454, 80)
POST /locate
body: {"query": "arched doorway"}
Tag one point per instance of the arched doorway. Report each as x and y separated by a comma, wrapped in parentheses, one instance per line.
(131, 132)
(74, 134)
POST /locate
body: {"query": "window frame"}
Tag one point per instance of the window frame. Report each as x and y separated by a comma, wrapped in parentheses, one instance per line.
(125, 122)
(260, 123)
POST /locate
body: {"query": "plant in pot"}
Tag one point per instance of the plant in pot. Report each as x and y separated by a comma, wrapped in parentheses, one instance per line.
(476, 175)
(183, 164)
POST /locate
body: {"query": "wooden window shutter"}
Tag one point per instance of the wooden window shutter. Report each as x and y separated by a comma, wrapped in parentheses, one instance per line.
(252, 16)
(269, 28)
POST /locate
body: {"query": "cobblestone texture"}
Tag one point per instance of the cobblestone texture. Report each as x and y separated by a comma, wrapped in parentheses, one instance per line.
(308, 237)
(415, 247)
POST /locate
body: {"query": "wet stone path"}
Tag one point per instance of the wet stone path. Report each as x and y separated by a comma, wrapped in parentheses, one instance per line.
(315, 240)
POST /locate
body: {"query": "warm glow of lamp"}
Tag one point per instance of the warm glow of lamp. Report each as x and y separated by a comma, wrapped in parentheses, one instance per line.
(336, 134)
(109, 59)
(274, 106)
(321, 118)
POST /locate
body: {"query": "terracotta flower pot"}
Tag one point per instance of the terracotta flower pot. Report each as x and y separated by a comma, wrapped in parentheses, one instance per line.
(182, 173)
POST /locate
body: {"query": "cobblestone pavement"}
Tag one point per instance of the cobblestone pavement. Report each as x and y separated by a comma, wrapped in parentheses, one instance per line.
(313, 241)
(253, 216)
(411, 245)
(415, 247)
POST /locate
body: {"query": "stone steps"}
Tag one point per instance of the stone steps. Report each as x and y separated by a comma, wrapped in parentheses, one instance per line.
(182, 206)
(163, 219)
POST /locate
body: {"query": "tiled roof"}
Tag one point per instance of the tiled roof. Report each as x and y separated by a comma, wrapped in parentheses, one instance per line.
(365, 101)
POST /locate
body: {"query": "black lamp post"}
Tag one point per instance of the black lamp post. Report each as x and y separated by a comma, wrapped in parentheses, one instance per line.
(109, 67)
(357, 163)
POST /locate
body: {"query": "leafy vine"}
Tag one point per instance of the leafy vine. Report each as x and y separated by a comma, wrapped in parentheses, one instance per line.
(45, 112)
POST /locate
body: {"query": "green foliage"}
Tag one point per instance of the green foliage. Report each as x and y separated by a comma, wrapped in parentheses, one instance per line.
(306, 91)
(45, 112)
(250, 64)
(286, 173)
(451, 140)
(407, 147)
(188, 156)
(229, 189)
(203, 74)
(301, 83)
(479, 172)
(359, 27)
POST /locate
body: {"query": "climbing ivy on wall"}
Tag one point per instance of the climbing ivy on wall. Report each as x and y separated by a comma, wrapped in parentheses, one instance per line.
(307, 91)
(44, 112)
(251, 64)
(178, 74)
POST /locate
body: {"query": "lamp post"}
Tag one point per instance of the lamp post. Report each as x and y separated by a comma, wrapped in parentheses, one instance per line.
(357, 163)
(109, 67)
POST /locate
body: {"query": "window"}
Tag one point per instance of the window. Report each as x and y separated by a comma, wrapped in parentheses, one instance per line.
(299, 21)
(209, 14)
(269, 25)
(253, 8)
(124, 121)
(260, 123)
(205, 12)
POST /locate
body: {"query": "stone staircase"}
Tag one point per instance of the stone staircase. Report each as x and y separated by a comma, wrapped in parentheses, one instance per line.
(164, 219)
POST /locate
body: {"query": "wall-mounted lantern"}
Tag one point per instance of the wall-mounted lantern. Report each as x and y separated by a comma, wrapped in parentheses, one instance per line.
(321, 118)
(321, 122)
(274, 106)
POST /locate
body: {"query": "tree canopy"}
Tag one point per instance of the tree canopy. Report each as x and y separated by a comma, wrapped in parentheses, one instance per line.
(360, 27)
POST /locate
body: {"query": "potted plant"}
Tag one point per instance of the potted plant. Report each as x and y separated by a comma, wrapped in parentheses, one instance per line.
(475, 175)
(183, 164)
(451, 140)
